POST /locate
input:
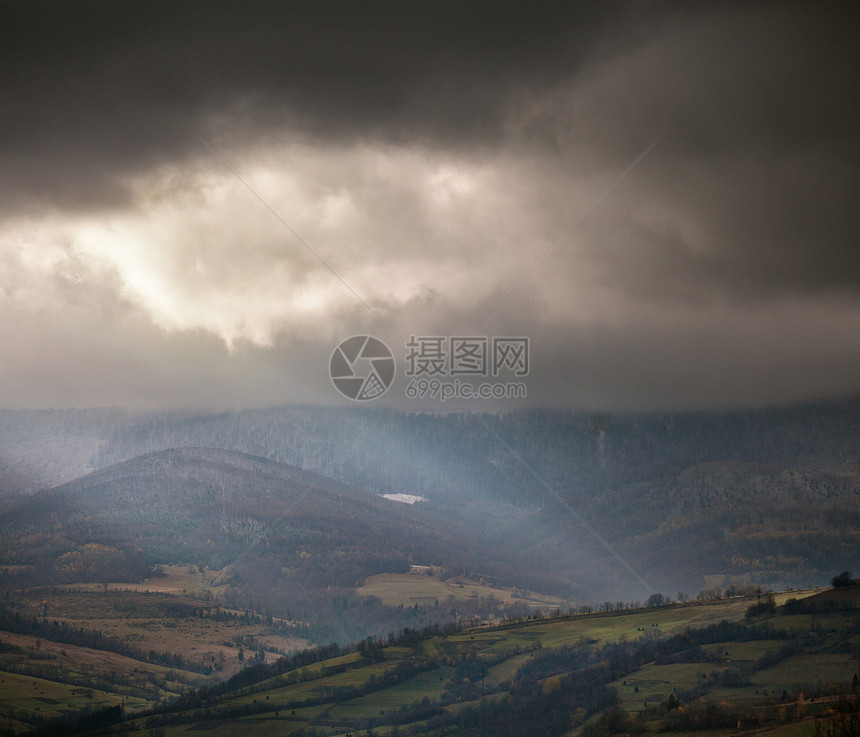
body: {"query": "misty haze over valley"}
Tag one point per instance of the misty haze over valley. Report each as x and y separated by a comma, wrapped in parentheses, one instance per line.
(690, 501)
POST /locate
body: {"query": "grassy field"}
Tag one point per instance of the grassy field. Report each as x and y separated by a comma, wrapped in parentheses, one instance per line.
(174, 623)
(422, 588)
(653, 683)
(80, 664)
(24, 692)
(52, 679)
(427, 685)
(610, 627)
(318, 700)
(187, 579)
(447, 673)
(74, 677)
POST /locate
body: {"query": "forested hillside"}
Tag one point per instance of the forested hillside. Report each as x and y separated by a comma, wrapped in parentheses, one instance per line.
(692, 499)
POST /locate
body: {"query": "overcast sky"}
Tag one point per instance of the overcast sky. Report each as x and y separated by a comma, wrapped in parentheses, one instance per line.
(199, 200)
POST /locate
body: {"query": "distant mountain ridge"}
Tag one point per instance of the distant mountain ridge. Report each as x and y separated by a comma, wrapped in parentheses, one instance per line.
(284, 538)
(183, 499)
(435, 453)
(766, 496)
(260, 476)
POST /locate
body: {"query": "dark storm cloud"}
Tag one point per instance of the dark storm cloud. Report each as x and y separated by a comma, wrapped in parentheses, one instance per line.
(754, 106)
(758, 117)
(97, 89)
(430, 152)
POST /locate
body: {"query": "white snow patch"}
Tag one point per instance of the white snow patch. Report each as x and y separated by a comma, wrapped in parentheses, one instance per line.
(404, 498)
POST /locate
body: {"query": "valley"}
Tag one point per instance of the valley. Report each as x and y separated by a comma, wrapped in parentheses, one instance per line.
(202, 587)
(704, 667)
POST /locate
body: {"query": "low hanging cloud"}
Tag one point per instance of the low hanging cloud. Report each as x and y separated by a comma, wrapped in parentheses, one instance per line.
(197, 201)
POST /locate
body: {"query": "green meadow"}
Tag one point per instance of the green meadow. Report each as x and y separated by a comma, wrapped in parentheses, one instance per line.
(661, 669)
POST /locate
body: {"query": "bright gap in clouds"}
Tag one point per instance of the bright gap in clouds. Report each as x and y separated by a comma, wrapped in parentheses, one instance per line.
(197, 251)
(195, 293)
